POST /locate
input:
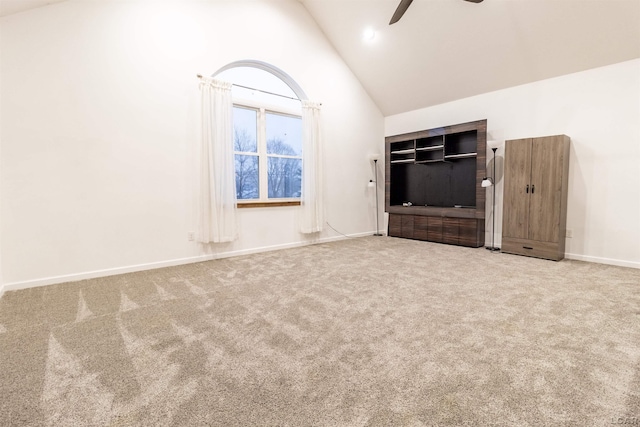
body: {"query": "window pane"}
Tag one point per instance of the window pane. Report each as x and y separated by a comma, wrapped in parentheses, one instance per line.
(263, 80)
(284, 135)
(247, 185)
(245, 131)
(285, 177)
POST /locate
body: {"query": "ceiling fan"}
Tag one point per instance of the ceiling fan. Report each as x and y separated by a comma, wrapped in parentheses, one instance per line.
(404, 5)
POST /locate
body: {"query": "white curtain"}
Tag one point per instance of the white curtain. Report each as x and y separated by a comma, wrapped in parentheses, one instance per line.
(312, 206)
(216, 164)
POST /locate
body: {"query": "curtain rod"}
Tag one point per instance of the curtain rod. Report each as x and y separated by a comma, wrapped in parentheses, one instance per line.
(259, 90)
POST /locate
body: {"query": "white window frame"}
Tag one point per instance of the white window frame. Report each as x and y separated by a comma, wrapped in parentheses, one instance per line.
(261, 134)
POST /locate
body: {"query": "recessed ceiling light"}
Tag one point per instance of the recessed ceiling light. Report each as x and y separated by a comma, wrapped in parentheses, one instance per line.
(369, 34)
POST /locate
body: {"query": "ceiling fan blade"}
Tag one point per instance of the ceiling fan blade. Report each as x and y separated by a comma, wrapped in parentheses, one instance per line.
(402, 8)
(474, 1)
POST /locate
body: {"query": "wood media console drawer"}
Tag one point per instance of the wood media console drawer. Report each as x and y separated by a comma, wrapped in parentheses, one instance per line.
(454, 231)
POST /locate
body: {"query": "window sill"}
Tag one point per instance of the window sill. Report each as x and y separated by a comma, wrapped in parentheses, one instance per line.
(244, 205)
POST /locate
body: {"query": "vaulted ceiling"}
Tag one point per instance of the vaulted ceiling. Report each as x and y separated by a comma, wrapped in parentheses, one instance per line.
(443, 50)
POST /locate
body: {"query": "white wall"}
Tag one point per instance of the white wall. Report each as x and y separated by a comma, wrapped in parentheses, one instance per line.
(99, 103)
(600, 110)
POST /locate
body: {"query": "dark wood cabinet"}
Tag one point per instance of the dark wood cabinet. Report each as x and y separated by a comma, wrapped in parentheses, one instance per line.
(470, 232)
(420, 227)
(434, 225)
(401, 226)
(450, 231)
(453, 231)
(433, 184)
(395, 225)
(407, 226)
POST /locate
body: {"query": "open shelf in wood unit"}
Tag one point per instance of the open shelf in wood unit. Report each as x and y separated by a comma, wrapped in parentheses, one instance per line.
(435, 147)
(407, 151)
(460, 156)
(460, 143)
(430, 142)
(403, 152)
(429, 156)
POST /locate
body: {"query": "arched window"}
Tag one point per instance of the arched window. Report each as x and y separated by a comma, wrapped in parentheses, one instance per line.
(267, 133)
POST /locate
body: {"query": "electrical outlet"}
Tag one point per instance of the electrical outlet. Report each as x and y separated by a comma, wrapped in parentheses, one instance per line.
(569, 233)
(191, 236)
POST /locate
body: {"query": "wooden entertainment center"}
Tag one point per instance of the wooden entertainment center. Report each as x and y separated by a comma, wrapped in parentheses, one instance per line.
(433, 186)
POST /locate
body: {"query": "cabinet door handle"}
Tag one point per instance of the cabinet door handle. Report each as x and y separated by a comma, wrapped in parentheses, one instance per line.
(533, 188)
(527, 247)
(527, 189)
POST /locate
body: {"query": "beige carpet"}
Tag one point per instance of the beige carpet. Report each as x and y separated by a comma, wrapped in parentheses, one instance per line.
(374, 331)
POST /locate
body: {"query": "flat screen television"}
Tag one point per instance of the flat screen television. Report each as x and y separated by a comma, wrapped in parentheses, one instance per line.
(437, 184)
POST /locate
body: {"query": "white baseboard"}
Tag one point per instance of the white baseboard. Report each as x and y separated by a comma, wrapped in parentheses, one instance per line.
(162, 264)
(102, 273)
(599, 260)
(181, 261)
